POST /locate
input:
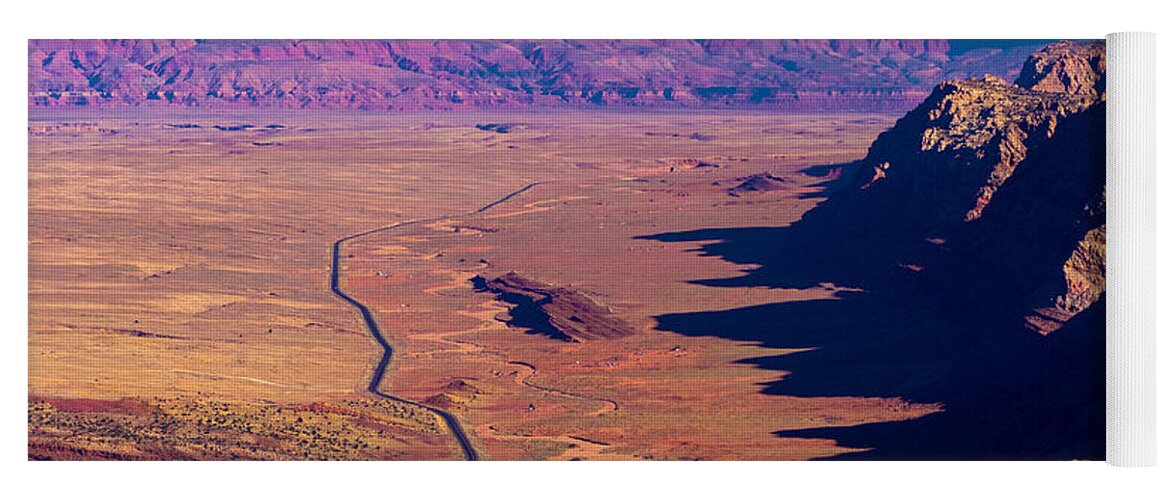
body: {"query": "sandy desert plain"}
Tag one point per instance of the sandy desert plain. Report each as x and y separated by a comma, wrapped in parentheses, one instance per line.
(180, 301)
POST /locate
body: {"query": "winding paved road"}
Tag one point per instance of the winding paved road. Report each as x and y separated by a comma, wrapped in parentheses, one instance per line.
(387, 351)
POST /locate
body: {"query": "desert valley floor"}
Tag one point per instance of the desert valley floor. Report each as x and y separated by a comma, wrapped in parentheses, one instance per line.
(180, 299)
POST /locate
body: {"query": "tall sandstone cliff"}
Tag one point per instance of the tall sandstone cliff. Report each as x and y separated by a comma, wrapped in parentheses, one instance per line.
(1008, 179)
(976, 228)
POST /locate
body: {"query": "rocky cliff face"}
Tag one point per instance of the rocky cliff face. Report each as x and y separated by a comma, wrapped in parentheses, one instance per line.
(971, 226)
(1008, 176)
(1066, 67)
(413, 74)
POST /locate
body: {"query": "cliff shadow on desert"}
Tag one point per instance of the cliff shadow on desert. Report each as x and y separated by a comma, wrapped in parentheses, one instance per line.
(916, 320)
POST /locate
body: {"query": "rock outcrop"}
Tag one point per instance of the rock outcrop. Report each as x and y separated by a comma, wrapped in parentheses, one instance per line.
(762, 182)
(1009, 175)
(1066, 67)
(559, 312)
(429, 74)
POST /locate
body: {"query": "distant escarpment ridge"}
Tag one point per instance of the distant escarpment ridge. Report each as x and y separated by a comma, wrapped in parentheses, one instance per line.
(807, 75)
(1004, 181)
